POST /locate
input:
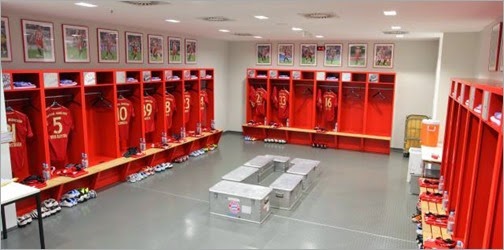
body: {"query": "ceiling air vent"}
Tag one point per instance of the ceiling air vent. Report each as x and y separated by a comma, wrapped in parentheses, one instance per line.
(216, 19)
(395, 32)
(145, 3)
(319, 15)
(242, 34)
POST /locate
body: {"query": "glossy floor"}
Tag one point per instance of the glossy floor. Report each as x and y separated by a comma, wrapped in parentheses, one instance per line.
(360, 201)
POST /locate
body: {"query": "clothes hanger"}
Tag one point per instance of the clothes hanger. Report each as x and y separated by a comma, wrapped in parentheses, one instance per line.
(55, 104)
(379, 94)
(9, 109)
(103, 101)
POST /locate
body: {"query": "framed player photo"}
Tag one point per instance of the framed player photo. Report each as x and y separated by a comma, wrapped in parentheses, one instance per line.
(263, 54)
(134, 47)
(174, 50)
(38, 41)
(75, 43)
(308, 55)
(383, 55)
(332, 55)
(285, 54)
(156, 48)
(190, 51)
(108, 41)
(357, 55)
(495, 37)
(6, 49)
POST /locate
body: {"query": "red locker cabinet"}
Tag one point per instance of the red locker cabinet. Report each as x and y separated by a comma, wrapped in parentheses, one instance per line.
(174, 102)
(207, 77)
(191, 104)
(472, 164)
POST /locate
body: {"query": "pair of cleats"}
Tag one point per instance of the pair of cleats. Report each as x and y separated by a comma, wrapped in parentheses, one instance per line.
(428, 183)
(280, 141)
(181, 159)
(136, 177)
(439, 243)
(132, 152)
(48, 208)
(162, 167)
(249, 138)
(419, 239)
(211, 147)
(274, 125)
(319, 145)
(436, 220)
(197, 153)
(416, 218)
(24, 220)
(419, 230)
(431, 197)
(75, 196)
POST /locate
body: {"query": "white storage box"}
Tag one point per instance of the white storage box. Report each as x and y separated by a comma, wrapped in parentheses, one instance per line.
(308, 170)
(243, 174)
(263, 163)
(281, 163)
(240, 201)
(287, 190)
(414, 163)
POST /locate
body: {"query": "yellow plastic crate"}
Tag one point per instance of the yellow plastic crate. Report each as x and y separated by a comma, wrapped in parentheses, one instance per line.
(412, 132)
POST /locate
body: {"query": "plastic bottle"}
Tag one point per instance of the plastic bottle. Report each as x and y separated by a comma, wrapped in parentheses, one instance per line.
(198, 128)
(84, 160)
(441, 184)
(212, 124)
(336, 127)
(451, 223)
(445, 201)
(182, 133)
(265, 121)
(287, 122)
(164, 139)
(46, 173)
(143, 146)
(460, 245)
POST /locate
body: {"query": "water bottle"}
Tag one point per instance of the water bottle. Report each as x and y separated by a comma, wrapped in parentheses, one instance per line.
(46, 172)
(335, 127)
(445, 201)
(198, 128)
(265, 121)
(143, 145)
(84, 160)
(287, 122)
(164, 139)
(460, 245)
(451, 223)
(182, 133)
(212, 124)
(441, 184)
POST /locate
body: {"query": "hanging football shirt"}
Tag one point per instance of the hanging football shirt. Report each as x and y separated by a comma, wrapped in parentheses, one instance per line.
(59, 125)
(170, 108)
(187, 106)
(283, 104)
(125, 113)
(19, 124)
(150, 110)
(330, 104)
(260, 101)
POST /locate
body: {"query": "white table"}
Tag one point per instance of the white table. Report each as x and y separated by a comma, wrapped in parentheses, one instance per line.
(14, 192)
(427, 153)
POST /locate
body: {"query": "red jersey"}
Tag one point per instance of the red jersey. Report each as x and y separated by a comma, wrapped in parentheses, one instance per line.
(187, 105)
(203, 100)
(150, 110)
(330, 104)
(125, 113)
(59, 125)
(283, 104)
(260, 101)
(19, 125)
(170, 109)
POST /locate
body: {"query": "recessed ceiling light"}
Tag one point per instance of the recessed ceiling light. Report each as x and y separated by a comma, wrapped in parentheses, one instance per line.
(389, 13)
(296, 29)
(258, 37)
(319, 36)
(399, 36)
(261, 17)
(172, 21)
(396, 27)
(223, 30)
(83, 4)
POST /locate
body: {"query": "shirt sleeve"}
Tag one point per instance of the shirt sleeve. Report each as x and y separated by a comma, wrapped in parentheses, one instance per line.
(29, 132)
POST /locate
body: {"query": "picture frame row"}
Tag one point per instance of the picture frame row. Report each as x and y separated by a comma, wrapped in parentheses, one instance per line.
(38, 45)
(333, 53)
(495, 53)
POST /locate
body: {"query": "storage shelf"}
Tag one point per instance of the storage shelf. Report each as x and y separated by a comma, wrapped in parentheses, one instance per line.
(22, 90)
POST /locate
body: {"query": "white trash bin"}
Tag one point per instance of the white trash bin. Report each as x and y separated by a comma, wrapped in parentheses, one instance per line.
(415, 163)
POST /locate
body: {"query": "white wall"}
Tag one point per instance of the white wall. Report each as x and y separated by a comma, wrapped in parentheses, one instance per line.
(459, 51)
(415, 67)
(483, 55)
(211, 53)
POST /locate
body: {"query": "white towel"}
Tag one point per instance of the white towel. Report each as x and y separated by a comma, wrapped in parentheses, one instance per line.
(467, 102)
(495, 120)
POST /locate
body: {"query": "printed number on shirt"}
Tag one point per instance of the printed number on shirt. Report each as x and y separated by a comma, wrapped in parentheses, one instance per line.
(202, 101)
(283, 101)
(148, 109)
(12, 128)
(57, 123)
(168, 107)
(123, 114)
(187, 103)
(328, 102)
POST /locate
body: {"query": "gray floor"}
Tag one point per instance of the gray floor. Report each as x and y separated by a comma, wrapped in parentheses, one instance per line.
(360, 201)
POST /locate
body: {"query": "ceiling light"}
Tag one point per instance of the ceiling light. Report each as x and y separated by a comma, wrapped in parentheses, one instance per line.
(83, 4)
(223, 30)
(296, 29)
(261, 17)
(258, 37)
(399, 36)
(395, 27)
(319, 36)
(389, 13)
(172, 21)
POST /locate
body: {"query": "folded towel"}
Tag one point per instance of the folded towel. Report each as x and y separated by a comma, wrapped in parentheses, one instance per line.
(495, 120)
(467, 102)
(498, 115)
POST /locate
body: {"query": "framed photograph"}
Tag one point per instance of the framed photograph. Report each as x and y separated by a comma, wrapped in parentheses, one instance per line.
(495, 37)
(174, 50)
(6, 49)
(263, 54)
(501, 54)
(108, 41)
(357, 55)
(134, 47)
(156, 48)
(75, 43)
(383, 55)
(285, 54)
(308, 55)
(190, 51)
(38, 41)
(332, 55)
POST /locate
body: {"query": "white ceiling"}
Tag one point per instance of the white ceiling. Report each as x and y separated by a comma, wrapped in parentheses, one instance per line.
(357, 19)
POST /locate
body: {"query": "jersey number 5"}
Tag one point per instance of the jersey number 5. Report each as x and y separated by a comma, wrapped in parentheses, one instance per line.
(57, 123)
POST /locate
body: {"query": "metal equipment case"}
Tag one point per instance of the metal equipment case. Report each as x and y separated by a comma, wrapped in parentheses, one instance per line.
(263, 163)
(240, 201)
(281, 163)
(243, 174)
(309, 171)
(287, 190)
